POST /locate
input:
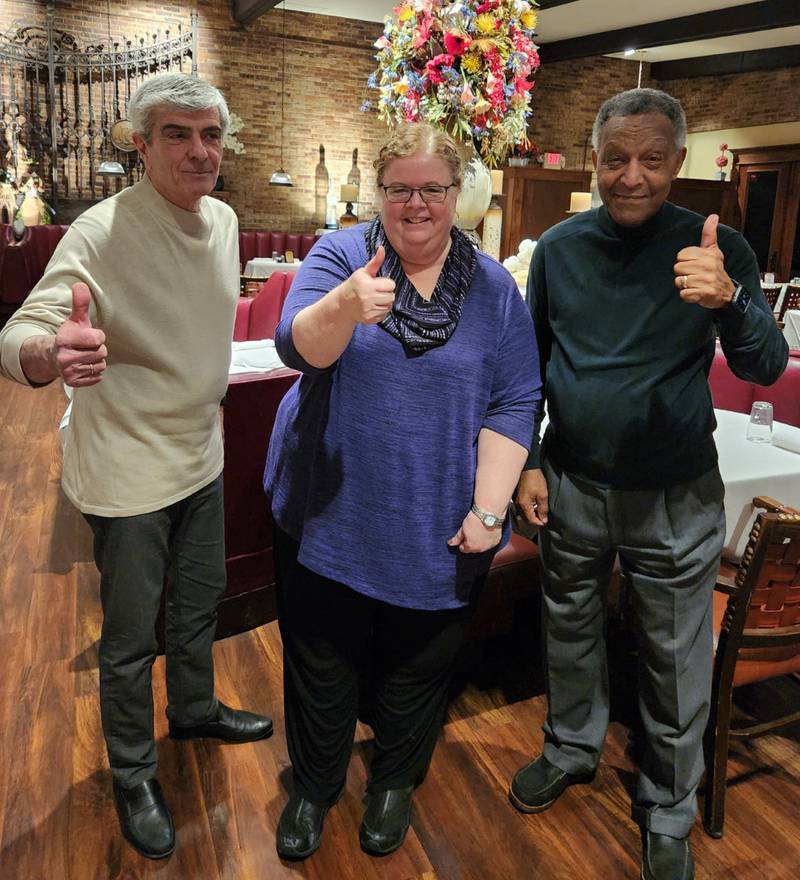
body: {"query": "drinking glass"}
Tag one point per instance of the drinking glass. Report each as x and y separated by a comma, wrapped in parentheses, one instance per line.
(759, 428)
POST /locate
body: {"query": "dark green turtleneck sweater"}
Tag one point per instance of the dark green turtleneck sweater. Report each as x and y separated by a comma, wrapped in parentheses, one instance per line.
(624, 360)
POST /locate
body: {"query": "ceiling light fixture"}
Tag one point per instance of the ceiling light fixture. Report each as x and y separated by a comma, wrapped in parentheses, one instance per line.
(281, 177)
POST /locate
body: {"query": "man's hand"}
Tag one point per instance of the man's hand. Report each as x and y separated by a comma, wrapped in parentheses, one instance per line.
(367, 298)
(474, 537)
(79, 352)
(700, 271)
(531, 496)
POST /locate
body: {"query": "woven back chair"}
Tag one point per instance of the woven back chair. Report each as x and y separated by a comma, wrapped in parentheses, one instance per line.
(772, 292)
(791, 300)
(759, 638)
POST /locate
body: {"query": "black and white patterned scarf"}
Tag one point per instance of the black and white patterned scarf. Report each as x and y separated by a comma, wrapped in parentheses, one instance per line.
(420, 324)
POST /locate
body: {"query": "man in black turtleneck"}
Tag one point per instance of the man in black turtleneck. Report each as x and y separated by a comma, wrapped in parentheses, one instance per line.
(626, 300)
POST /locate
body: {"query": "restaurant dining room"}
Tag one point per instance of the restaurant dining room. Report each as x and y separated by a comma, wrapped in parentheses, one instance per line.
(337, 342)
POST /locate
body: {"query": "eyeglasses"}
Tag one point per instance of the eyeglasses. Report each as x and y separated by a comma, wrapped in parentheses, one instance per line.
(428, 194)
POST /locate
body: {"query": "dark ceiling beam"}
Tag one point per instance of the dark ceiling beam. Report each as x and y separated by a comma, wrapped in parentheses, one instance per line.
(761, 16)
(730, 62)
(247, 11)
(549, 4)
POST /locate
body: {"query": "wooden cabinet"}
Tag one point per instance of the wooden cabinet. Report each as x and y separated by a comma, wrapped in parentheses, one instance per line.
(768, 190)
(536, 199)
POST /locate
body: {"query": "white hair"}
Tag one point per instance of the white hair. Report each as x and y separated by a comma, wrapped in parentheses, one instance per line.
(635, 102)
(174, 90)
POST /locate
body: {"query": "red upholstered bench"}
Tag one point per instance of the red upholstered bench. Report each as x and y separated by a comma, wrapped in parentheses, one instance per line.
(22, 263)
(730, 392)
(254, 243)
(258, 316)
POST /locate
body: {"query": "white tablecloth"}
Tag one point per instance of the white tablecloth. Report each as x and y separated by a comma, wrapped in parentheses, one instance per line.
(749, 469)
(791, 328)
(263, 267)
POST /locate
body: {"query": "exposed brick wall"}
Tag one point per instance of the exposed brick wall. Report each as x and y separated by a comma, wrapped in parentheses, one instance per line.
(763, 97)
(328, 61)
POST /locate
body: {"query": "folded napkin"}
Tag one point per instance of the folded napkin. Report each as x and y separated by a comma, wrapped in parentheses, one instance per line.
(787, 437)
(254, 356)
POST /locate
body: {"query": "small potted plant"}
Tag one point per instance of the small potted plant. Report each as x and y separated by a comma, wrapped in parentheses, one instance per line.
(522, 153)
(721, 162)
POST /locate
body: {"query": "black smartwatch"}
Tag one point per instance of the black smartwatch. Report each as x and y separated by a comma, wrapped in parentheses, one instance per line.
(740, 299)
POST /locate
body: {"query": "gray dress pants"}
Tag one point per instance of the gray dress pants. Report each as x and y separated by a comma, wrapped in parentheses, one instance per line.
(668, 542)
(134, 554)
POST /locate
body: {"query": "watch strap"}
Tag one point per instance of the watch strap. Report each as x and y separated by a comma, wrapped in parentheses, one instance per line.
(489, 519)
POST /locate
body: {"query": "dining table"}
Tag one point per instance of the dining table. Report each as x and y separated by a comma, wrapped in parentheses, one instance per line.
(263, 267)
(750, 469)
(791, 327)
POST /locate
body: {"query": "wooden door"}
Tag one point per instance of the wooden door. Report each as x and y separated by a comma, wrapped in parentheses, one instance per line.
(769, 197)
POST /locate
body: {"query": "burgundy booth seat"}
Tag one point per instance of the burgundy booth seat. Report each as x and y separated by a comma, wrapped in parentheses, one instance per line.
(22, 263)
(731, 393)
(258, 316)
(253, 243)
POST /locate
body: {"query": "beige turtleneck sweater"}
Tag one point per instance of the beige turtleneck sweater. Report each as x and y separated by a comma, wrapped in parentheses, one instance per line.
(164, 285)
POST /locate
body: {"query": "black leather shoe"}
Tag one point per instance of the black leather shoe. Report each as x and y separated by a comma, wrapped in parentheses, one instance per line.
(538, 785)
(666, 858)
(230, 725)
(145, 819)
(386, 821)
(299, 828)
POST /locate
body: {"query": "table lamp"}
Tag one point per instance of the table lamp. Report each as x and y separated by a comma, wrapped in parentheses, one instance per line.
(348, 194)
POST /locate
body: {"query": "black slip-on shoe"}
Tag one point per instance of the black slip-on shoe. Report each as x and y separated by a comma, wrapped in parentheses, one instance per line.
(299, 828)
(539, 784)
(386, 820)
(230, 725)
(666, 858)
(145, 819)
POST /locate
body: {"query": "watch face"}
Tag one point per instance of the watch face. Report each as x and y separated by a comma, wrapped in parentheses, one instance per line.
(490, 520)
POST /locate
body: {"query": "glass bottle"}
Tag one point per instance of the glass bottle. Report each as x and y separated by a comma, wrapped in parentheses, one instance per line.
(321, 185)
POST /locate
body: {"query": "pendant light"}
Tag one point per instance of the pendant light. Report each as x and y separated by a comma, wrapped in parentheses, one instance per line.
(109, 167)
(281, 177)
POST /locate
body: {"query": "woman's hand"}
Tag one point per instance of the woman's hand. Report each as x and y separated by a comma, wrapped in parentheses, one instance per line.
(474, 537)
(365, 297)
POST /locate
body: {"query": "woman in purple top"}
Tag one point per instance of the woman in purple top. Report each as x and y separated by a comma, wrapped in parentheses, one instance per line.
(391, 466)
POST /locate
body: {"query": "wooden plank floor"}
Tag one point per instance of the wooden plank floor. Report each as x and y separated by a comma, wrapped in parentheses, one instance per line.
(57, 819)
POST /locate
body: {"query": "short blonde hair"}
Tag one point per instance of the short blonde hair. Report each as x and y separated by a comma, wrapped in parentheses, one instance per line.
(420, 137)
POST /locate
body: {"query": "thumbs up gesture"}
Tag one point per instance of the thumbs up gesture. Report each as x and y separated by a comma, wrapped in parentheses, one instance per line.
(79, 352)
(367, 297)
(700, 274)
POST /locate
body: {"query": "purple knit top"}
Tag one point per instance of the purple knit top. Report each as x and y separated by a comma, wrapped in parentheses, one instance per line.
(371, 465)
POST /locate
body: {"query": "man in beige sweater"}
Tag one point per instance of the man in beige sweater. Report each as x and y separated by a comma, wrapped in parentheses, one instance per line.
(135, 312)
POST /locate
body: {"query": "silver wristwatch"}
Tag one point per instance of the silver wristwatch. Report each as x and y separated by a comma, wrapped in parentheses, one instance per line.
(490, 520)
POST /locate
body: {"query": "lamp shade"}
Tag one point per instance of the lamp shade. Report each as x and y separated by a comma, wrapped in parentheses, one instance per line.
(110, 168)
(348, 192)
(281, 178)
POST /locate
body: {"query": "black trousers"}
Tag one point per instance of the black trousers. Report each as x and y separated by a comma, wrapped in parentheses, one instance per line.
(133, 555)
(337, 644)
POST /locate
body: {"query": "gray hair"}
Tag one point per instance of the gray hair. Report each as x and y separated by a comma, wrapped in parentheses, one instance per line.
(636, 102)
(175, 90)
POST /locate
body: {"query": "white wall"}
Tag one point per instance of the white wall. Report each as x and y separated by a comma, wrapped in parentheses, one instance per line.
(703, 146)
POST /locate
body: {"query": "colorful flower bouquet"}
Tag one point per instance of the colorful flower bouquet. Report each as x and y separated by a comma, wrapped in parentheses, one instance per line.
(722, 160)
(462, 65)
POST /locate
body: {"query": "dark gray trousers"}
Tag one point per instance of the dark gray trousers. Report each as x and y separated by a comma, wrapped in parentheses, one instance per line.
(668, 542)
(134, 554)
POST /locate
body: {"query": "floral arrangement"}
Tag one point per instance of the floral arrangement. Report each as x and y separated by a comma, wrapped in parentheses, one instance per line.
(722, 160)
(463, 65)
